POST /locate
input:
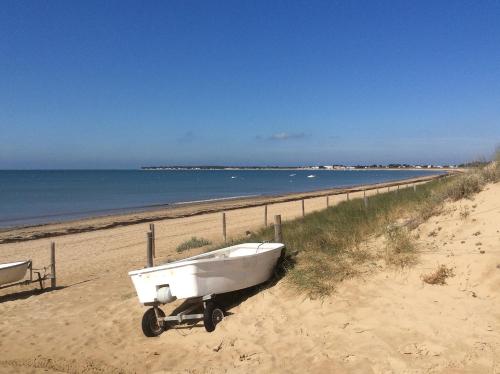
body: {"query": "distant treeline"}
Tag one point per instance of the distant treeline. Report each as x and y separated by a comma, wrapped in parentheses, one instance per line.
(474, 164)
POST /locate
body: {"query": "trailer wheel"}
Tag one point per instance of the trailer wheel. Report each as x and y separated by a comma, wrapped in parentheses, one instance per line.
(150, 325)
(212, 316)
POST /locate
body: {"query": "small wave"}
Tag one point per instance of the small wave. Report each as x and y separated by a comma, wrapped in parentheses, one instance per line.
(215, 199)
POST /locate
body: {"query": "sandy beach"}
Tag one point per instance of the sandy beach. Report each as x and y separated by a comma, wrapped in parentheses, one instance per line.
(387, 321)
(247, 187)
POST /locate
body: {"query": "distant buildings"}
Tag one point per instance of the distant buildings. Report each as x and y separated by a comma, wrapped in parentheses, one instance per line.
(310, 167)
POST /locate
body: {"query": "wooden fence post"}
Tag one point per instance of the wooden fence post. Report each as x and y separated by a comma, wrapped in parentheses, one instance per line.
(364, 193)
(303, 209)
(278, 235)
(53, 282)
(149, 252)
(347, 195)
(265, 215)
(327, 201)
(388, 188)
(224, 227)
(152, 229)
(365, 200)
(415, 188)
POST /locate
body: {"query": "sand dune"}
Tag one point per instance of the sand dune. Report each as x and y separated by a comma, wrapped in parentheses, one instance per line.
(387, 321)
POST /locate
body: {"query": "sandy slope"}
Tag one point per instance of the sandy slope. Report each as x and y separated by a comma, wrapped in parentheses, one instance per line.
(387, 321)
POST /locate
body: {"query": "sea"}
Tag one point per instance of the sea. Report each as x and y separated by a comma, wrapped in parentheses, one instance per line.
(31, 197)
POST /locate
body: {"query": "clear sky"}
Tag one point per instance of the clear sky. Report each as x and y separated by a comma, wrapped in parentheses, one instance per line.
(118, 84)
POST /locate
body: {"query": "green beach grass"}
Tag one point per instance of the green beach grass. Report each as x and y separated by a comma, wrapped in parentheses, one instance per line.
(194, 242)
(330, 245)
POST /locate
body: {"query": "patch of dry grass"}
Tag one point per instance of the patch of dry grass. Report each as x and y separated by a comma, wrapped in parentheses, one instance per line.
(464, 212)
(401, 248)
(438, 276)
(319, 275)
(465, 186)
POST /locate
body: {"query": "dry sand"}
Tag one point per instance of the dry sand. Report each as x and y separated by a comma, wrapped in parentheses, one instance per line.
(387, 321)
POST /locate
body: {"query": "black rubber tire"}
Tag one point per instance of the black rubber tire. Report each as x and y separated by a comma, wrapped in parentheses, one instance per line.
(212, 315)
(150, 326)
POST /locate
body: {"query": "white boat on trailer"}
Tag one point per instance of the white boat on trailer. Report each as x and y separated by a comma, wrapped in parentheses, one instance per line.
(199, 279)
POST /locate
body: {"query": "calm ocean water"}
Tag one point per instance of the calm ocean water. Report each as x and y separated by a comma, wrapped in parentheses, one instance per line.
(33, 197)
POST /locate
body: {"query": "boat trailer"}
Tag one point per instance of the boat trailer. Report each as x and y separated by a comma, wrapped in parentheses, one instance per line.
(154, 321)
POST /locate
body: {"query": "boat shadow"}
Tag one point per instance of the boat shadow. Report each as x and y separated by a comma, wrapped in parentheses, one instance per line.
(230, 300)
(22, 295)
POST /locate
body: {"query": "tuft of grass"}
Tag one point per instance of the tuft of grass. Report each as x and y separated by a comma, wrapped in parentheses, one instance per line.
(194, 242)
(319, 274)
(464, 212)
(431, 206)
(401, 248)
(465, 186)
(439, 275)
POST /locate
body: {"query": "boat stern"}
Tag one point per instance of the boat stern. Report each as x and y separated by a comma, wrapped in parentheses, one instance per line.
(151, 287)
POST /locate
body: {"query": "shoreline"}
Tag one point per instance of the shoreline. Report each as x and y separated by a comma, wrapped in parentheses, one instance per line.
(179, 210)
(90, 214)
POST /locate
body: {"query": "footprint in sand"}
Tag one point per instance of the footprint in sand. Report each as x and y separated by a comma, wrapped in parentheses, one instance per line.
(349, 358)
(416, 349)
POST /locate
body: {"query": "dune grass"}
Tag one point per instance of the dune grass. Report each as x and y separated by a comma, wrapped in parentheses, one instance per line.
(194, 242)
(330, 245)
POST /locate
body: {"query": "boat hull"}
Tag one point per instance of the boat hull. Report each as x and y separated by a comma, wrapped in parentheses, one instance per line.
(13, 272)
(225, 270)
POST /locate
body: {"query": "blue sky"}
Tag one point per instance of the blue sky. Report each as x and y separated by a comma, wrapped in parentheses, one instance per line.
(117, 84)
